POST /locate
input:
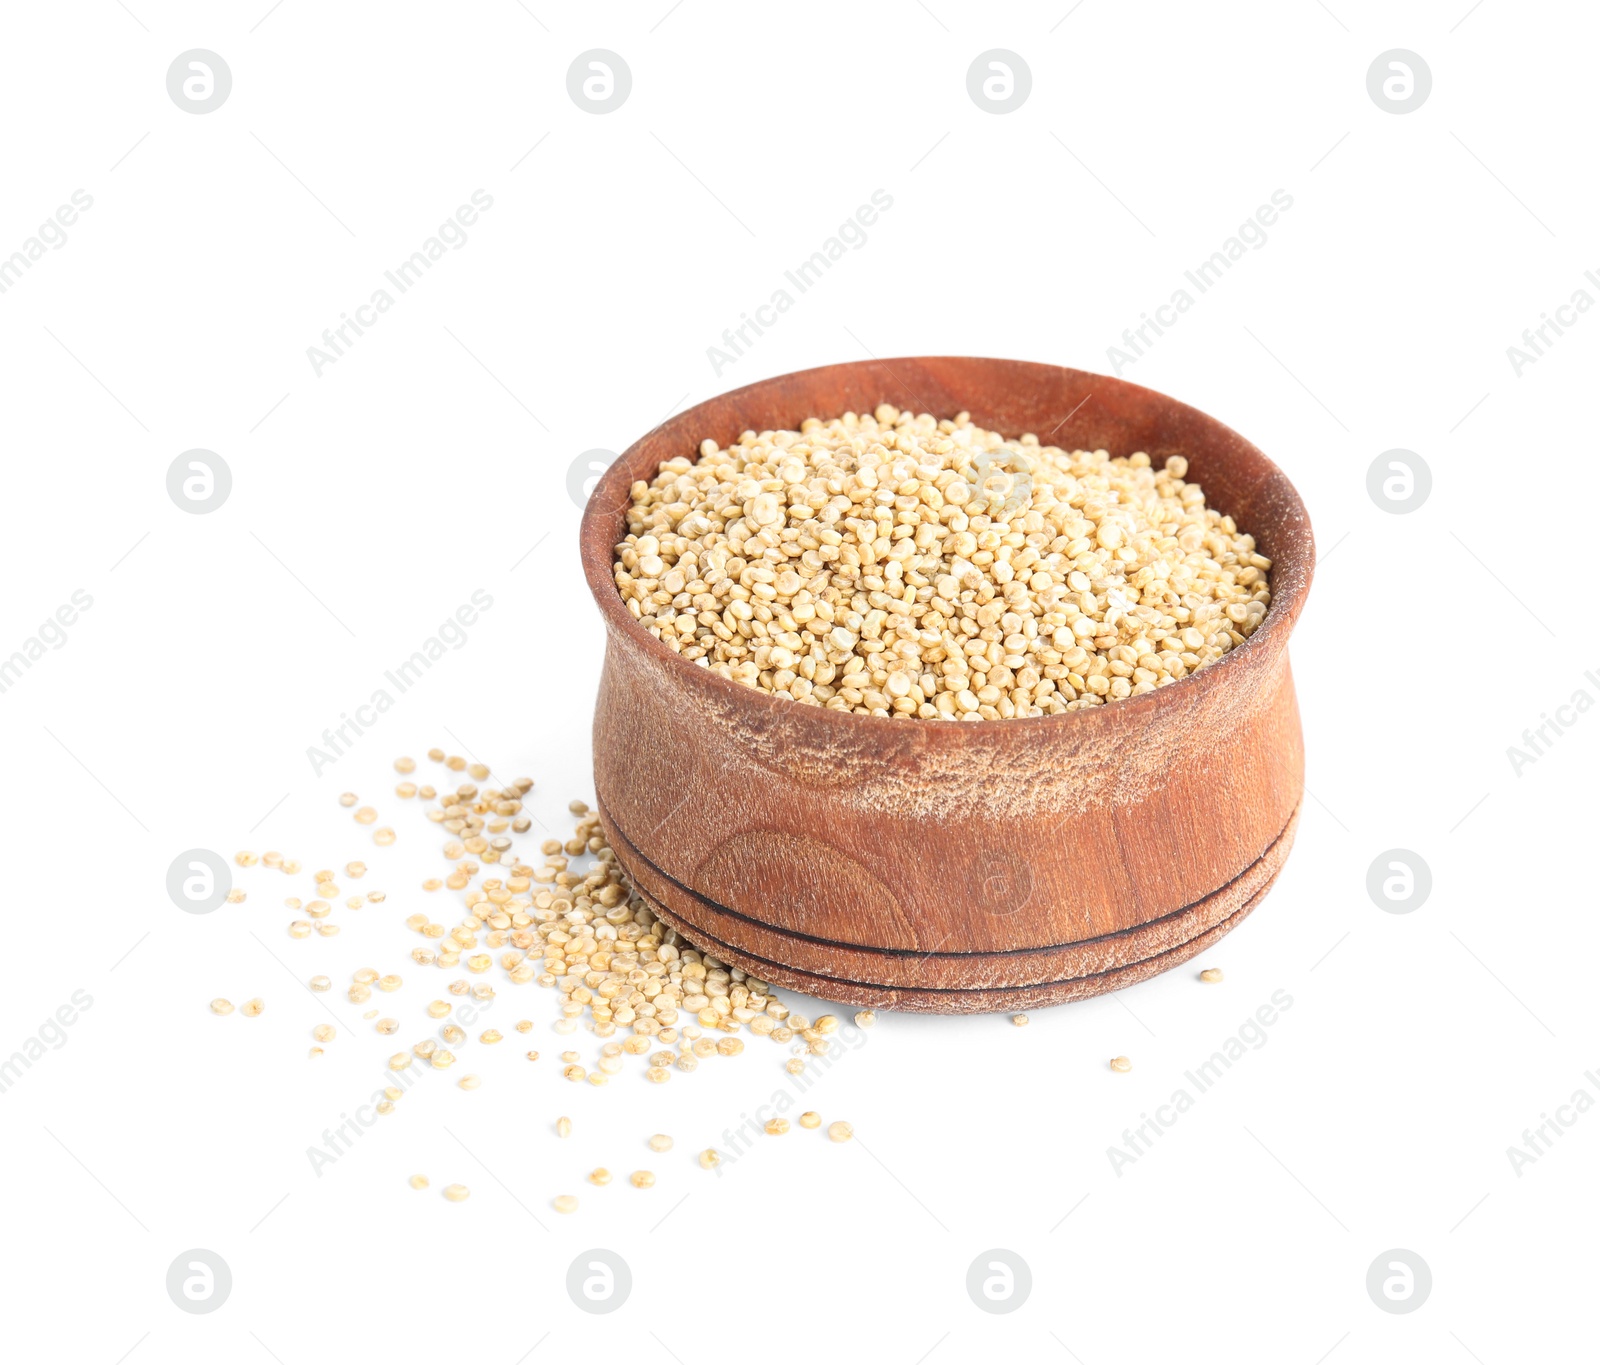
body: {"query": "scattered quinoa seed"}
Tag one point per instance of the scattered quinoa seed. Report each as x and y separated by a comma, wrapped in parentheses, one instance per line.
(1020, 1020)
(840, 1131)
(253, 1007)
(563, 916)
(1121, 1064)
(456, 1193)
(1211, 975)
(221, 1006)
(419, 1182)
(811, 1119)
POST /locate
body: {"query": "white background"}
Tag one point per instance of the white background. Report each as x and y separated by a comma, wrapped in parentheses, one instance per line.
(432, 460)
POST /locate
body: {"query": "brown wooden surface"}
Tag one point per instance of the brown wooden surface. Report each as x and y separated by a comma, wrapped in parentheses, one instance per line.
(956, 866)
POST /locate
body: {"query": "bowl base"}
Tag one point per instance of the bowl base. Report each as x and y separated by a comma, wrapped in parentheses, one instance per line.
(1073, 972)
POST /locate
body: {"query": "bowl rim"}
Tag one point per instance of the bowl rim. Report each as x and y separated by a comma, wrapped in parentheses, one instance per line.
(609, 501)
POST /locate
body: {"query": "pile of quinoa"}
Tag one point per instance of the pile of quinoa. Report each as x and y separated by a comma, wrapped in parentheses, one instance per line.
(569, 921)
(896, 565)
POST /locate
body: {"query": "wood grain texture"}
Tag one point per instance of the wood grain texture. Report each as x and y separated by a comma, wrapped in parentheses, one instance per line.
(944, 865)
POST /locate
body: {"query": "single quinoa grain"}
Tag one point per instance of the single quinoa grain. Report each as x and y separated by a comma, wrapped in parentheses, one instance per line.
(1121, 1064)
(894, 565)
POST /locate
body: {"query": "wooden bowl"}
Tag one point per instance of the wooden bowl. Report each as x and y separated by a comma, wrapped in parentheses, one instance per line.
(948, 866)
